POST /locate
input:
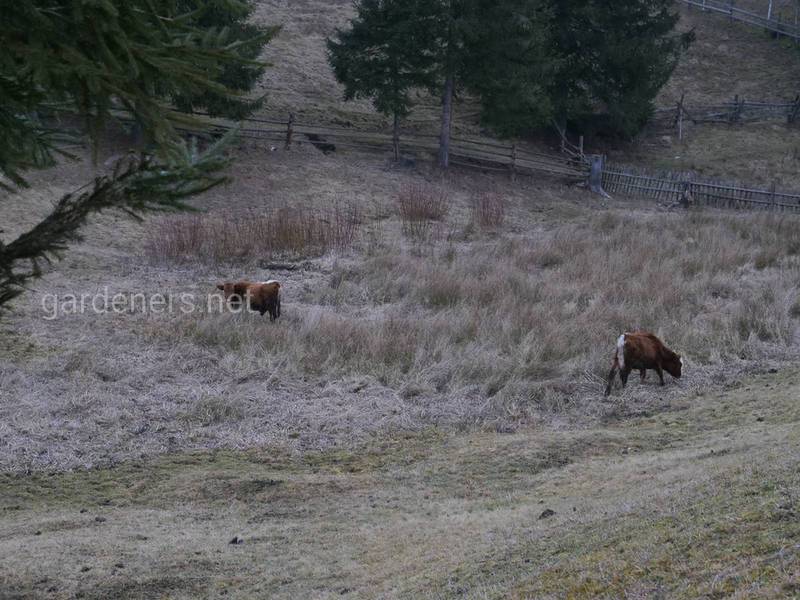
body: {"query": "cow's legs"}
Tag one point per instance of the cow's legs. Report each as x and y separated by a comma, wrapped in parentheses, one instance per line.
(660, 373)
(611, 375)
(643, 373)
(623, 375)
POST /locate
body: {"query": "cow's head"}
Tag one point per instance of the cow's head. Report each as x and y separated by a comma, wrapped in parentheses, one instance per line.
(234, 292)
(674, 365)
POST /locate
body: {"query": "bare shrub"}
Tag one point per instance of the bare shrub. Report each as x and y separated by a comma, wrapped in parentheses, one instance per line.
(424, 232)
(423, 202)
(211, 410)
(488, 210)
(285, 231)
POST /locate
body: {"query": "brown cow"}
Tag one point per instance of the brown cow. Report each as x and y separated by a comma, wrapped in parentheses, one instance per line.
(263, 296)
(642, 350)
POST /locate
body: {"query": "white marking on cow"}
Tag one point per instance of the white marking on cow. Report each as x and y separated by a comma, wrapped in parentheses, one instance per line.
(621, 351)
(269, 281)
(681, 359)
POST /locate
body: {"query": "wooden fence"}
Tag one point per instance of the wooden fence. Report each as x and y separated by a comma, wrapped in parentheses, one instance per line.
(673, 188)
(738, 110)
(466, 152)
(687, 190)
(668, 187)
(769, 20)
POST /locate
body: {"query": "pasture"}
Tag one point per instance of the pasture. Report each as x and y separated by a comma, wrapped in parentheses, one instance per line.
(401, 314)
(426, 418)
(433, 387)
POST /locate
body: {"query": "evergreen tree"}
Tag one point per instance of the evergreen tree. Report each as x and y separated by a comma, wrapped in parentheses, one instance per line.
(615, 57)
(386, 53)
(510, 63)
(496, 50)
(528, 61)
(86, 56)
(240, 76)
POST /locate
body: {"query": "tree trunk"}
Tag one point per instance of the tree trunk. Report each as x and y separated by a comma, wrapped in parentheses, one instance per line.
(447, 117)
(396, 137)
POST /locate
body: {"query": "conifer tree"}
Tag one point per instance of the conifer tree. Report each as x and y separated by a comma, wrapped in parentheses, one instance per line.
(88, 56)
(387, 52)
(240, 76)
(615, 57)
(527, 61)
(495, 50)
(509, 63)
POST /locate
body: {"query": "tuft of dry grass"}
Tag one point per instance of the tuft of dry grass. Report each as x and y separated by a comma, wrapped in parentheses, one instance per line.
(289, 231)
(423, 202)
(422, 208)
(488, 210)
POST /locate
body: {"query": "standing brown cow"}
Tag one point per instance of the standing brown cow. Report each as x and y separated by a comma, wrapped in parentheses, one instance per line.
(642, 350)
(263, 297)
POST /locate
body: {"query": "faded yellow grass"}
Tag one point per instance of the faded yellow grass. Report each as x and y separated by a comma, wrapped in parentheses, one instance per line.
(528, 318)
(700, 501)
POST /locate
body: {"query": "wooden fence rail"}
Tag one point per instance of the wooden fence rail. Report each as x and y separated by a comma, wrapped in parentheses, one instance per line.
(675, 188)
(684, 189)
(466, 152)
(774, 23)
(738, 110)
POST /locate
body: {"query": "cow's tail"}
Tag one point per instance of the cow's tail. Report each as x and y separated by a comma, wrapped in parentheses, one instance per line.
(619, 362)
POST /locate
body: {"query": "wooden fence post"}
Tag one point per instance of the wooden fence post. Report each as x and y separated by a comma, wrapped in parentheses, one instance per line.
(289, 130)
(796, 15)
(679, 117)
(513, 162)
(735, 114)
(596, 174)
(580, 147)
(794, 110)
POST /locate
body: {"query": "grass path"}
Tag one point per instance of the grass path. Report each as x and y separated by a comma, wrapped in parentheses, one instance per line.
(699, 501)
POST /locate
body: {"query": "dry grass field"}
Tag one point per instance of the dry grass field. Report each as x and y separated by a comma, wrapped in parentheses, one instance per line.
(426, 418)
(701, 501)
(433, 386)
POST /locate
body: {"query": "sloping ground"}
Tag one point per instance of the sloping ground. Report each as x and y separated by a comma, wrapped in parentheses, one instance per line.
(701, 501)
(389, 334)
(727, 59)
(302, 82)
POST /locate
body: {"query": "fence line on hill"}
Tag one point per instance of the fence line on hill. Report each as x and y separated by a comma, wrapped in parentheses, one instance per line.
(671, 187)
(771, 22)
(464, 151)
(684, 189)
(738, 110)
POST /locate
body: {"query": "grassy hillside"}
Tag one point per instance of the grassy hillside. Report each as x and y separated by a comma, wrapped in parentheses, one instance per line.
(434, 385)
(408, 323)
(701, 501)
(727, 59)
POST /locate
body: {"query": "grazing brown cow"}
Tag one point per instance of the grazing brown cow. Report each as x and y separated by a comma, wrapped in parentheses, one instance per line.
(642, 350)
(263, 296)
